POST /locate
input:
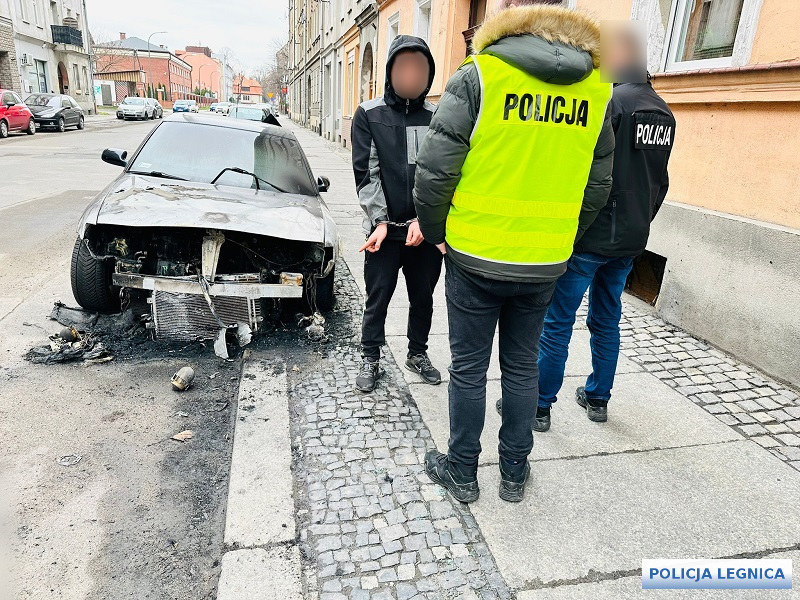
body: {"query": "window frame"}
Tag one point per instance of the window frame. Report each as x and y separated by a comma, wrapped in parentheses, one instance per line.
(392, 21)
(419, 6)
(742, 45)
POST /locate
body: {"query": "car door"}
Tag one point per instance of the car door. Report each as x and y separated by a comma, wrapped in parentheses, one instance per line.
(13, 113)
(5, 110)
(76, 109)
(67, 112)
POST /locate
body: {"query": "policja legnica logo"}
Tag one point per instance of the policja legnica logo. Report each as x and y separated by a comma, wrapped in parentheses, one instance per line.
(727, 574)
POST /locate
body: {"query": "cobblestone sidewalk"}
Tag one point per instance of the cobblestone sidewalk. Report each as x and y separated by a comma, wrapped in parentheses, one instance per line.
(737, 394)
(372, 525)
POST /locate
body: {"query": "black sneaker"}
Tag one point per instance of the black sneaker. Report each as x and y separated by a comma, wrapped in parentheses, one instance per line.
(513, 479)
(463, 488)
(368, 375)
(542, 421)
(421, 365)
(596, 410)
(540, 424)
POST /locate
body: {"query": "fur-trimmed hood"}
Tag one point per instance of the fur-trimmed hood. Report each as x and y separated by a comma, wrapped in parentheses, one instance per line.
(551, 23)
(551, 43)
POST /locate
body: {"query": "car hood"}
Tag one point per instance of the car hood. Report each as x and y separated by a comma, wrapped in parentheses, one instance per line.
(37, 110)
(139, 201)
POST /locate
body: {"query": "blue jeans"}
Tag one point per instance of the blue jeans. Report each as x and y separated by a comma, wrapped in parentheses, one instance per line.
(605, 278)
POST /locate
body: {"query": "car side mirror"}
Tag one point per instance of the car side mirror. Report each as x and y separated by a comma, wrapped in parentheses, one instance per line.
(115, 156)
(10, 104)
(323, 183)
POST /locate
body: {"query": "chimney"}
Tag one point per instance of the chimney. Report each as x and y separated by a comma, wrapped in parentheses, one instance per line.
(122, 35)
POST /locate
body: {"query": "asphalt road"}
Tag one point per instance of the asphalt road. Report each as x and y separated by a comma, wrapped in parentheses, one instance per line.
(140, 516)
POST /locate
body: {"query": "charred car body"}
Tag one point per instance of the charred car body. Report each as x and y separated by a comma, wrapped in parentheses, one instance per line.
(213, 219)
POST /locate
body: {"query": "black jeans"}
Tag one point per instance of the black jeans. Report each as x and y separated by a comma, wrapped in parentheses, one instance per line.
(475, 305)
(421, 266)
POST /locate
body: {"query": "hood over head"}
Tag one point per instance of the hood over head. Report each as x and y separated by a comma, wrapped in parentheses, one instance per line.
(554, 44)
(405, 43)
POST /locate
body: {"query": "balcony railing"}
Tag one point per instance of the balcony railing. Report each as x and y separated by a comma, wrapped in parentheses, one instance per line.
(62, 34)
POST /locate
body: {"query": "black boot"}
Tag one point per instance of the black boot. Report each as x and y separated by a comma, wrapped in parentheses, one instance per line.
(461, 482)
(596, 410)
(542, 421)
(421, 365)
(513, 478)
(368, 375)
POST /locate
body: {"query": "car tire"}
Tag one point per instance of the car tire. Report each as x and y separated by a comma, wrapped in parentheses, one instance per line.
(31, 127)
(3, 129)
(62, 125)
(91, 281)
(81, 124)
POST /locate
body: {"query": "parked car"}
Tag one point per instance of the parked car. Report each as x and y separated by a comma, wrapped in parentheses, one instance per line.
(56, 111)
(222, 108)
(253, 112)
(14, 115)
(134, 107)
(158, 110)
(213, 220)
(185, 106)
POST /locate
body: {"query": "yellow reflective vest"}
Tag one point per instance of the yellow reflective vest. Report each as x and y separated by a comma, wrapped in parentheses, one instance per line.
(522, 183)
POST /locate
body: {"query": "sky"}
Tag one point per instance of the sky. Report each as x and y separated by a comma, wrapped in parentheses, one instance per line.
(252, 29)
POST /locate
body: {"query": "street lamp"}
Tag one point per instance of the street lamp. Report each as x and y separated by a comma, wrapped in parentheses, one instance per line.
(149, 68)
(199, 69)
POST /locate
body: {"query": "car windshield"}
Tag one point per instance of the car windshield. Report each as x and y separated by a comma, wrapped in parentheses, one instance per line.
(137, 101)
(41, 100)
(251, 114)
(198, 152)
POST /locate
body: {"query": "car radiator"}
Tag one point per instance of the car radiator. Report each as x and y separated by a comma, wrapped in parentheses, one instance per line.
(187, 317)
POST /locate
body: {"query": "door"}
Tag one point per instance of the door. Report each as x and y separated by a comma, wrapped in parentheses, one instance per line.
(14, 114)
(67, 112)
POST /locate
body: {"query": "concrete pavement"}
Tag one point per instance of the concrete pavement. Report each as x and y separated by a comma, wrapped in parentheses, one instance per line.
(700, 457)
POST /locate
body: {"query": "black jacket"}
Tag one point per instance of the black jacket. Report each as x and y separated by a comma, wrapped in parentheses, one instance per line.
(645, 131)
(385, 137)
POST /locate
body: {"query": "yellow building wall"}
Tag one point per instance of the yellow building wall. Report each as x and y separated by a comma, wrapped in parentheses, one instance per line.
(778, 32)
(607, 9)
(741, 159)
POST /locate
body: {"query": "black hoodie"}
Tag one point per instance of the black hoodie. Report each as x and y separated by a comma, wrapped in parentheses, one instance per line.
(385, 136)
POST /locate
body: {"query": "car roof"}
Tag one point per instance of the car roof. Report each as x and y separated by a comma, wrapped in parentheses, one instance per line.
(255, 126)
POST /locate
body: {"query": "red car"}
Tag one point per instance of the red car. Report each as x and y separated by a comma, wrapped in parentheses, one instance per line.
(14, 115)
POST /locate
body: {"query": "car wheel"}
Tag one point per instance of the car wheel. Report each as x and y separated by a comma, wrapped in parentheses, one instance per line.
(80, 123)
(62, 126)
(31, 127)
(120, 117)
(3, 129)
(91, 280)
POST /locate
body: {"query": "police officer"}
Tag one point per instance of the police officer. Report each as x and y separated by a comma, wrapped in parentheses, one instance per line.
(518, 157)
(645, 132)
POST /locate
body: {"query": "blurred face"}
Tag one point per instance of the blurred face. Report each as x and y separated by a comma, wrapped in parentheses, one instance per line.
(622, 47)
(410, 74)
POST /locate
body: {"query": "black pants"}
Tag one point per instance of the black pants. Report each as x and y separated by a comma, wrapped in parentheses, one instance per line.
(475, 305)
(421, 266)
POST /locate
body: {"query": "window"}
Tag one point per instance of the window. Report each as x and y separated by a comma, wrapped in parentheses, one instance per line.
(422, 19)
(37, 15)
(706, 33)
(23, 9)
(38, 77)
(75, 75)
(348, 85)
(85, 79)
(394, 31)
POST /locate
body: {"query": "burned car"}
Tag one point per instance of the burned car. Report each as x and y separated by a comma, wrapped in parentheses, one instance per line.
(214, 220)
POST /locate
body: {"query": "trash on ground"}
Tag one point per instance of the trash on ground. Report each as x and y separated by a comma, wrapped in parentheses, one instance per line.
(183, 378)
(183, 435)
(60, 350)
(73, 317)
(314, 327)
(69, 460)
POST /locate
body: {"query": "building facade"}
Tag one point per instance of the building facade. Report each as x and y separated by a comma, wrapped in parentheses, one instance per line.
(51, 49)
(141, 68)
(207, 72)
(247, 91)
(9, 79)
